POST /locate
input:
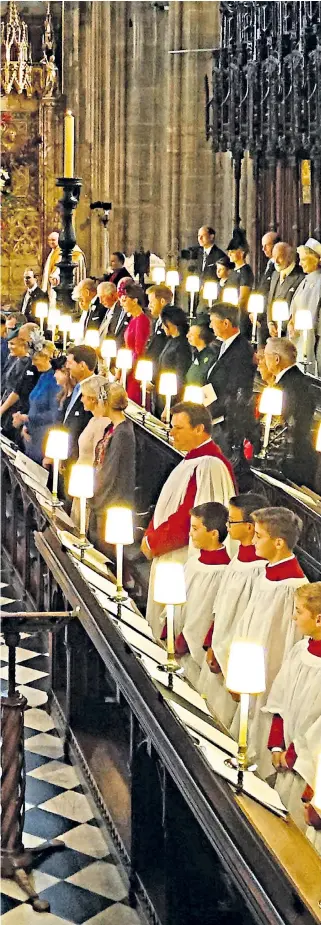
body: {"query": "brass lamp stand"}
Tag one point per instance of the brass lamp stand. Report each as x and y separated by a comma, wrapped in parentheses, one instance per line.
(16, 860)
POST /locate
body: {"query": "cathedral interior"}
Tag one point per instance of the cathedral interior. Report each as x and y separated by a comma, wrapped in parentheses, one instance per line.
(142, 781)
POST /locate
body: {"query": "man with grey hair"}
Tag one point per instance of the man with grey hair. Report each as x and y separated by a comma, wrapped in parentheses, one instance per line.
(308, 296)
(298, 406)
(285, 279)
(115, 318)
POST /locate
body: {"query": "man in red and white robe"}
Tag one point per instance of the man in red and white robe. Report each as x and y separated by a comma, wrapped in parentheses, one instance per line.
(204, 475)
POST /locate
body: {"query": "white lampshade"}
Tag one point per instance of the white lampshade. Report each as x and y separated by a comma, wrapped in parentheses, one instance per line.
(317, 784)
(64, 322)
(57, 445)
(53, 318)
(230, 294)
(167, 384)
(124, 359)
(169, 586)
(144, 371)
(280, 310)
(255, 304)
(194, 393)
(76, 331)
(246, 668)
(271, 402)
(158, 275)
(172, 278)
(303, 320)
(108, 348)
(41, 310)
(81, 482)
(318, 443)
(192, 283)
(210, 290)
(119, 526)
(92, 338)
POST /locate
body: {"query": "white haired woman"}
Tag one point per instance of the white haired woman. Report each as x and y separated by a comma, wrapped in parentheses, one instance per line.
(93, 392)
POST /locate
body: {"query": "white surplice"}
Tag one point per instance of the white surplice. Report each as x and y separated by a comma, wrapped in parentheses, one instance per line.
(268, 622)
(296, 696)
(213, 483)
(306, 766)
(232, 599)
(194, 618)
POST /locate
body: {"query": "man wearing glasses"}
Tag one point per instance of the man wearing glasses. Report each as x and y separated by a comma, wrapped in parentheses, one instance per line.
(32, 295)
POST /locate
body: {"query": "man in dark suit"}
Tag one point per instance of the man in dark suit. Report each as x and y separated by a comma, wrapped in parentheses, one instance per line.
(285, 280)
(159, 296)
(231, 375)
(85, 293)
(298, 406)
(117, 268)
(32, 296)
(268, 242)
(81, 362)
(209, 254)
(115, 320)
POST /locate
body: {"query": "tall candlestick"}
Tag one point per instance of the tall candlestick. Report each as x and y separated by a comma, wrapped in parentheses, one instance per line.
(69, 144)
(244, 712)
(170, 630)
(55, 474)
(82, 518)
(119, 567)
(168, 409)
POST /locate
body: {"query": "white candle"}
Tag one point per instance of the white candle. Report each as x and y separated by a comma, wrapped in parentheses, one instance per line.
(170, 629)
(267, 428)
(82, 505)
(244, 712)
(55, 479)
(168, 409)
(119, 566)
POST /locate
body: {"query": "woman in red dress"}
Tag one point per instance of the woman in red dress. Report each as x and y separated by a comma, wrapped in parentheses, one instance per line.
(132, 299)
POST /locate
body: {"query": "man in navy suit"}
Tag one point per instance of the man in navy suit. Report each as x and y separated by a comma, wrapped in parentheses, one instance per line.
(210, 253)
(234, 368)
(81, 362)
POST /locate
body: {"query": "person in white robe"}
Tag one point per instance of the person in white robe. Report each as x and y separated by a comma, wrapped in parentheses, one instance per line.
(307, 766)
(54, 258)
(204, 475)
(295, 699)
(231, 600)
(267, 619)
(203, 575)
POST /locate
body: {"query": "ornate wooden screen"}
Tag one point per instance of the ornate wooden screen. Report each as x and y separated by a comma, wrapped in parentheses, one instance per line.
(266, 99)
(31, 147)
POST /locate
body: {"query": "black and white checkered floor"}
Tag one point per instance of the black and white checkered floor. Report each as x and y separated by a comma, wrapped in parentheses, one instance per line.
(85, 883)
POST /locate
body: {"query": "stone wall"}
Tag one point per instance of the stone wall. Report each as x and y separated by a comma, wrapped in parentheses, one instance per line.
(140, 125)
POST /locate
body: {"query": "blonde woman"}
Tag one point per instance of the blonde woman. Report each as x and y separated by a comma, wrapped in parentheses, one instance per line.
(114, 464)
(43, 406)
(93, 395)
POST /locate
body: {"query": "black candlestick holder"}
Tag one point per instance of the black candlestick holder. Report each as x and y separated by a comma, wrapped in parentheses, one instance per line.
(67, 239)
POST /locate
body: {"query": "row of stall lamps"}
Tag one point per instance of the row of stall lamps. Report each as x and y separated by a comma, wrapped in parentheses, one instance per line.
(210, 292)
(246, 665)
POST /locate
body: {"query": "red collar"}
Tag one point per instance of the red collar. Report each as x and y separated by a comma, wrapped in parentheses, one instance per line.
(214, 557)
(282, 570)
(314, 647)
(211, 449)
(248, 554)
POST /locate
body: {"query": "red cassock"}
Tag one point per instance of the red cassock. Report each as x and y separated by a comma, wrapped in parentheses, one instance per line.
(174, 532)
(136, 337)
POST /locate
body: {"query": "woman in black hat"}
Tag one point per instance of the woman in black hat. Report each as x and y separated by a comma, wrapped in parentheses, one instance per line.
(242, 276)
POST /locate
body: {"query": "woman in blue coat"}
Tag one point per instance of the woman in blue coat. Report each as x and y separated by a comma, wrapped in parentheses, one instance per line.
(43, 410)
